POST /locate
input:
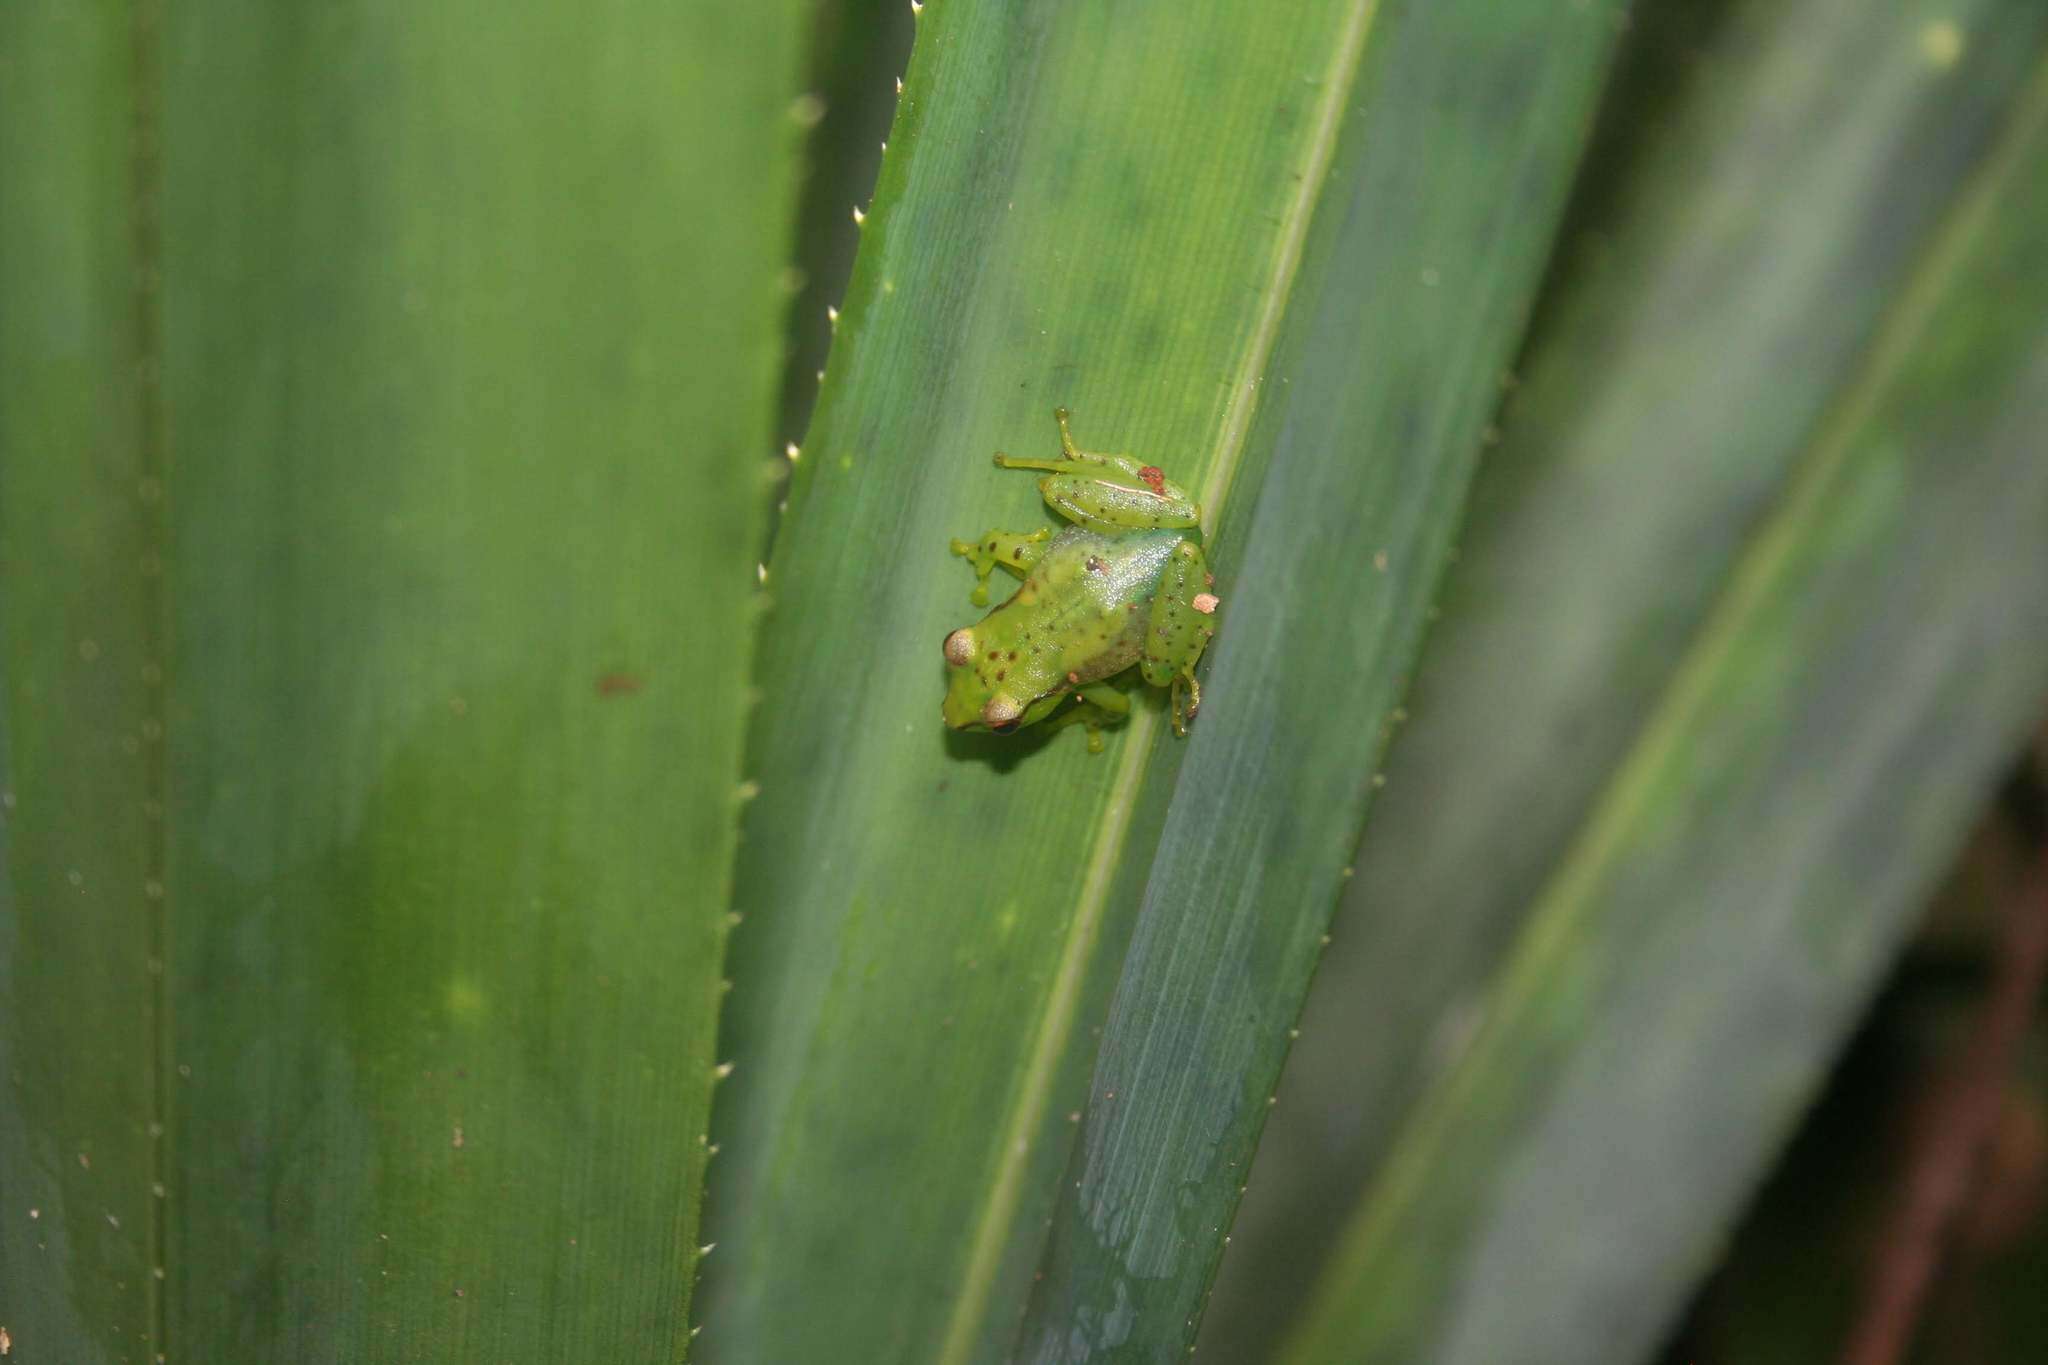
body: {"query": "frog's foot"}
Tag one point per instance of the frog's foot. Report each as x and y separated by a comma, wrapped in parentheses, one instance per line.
(1014, 551)
(1067, 446)
(1185, 682)
(1095, 705)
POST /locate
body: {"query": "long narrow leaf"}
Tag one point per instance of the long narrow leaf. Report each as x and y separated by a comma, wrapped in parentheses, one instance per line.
(1436, 220)
(1154, 215)
(1764, 187)
(1878, 647)
(387, 402)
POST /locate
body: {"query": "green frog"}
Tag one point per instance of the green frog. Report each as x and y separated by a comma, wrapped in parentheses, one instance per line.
(1126, 584)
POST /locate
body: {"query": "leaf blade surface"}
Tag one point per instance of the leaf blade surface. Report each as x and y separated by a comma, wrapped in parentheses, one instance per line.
(932, 925)
(456, 332)
(1805, 771)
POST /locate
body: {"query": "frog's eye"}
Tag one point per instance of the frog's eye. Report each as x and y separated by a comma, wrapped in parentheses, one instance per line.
(1002, 714)
(960, 647)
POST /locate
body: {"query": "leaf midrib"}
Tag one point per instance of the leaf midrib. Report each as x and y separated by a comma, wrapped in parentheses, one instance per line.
(145, 188)
(992, 1229)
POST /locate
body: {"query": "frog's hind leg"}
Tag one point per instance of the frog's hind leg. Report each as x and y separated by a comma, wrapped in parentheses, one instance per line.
(1182, 623)
(1095, 705)
(1109, 493)
(1074, 460)
(1070, 454)
(1014, 550)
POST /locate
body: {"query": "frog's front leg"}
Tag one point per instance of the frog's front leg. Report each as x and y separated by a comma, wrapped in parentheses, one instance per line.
(1182, 623)
(1095, 705)
(1014, 551)
(1108, 492)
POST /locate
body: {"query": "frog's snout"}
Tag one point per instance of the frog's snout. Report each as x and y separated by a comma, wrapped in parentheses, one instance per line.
(955, 714)
(967, 702)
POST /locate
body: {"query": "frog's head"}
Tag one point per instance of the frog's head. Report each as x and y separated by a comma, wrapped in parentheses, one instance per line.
(974, 700)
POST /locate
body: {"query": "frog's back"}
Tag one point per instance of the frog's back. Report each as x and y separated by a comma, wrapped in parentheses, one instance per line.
(1083, 607)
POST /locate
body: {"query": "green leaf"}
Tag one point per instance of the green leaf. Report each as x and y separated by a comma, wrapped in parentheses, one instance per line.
(1749, 206)
(1750, 611)
(1286, 255)
(385, 403)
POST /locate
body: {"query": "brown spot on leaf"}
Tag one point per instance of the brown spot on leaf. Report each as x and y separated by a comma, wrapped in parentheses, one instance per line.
(619, 685)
